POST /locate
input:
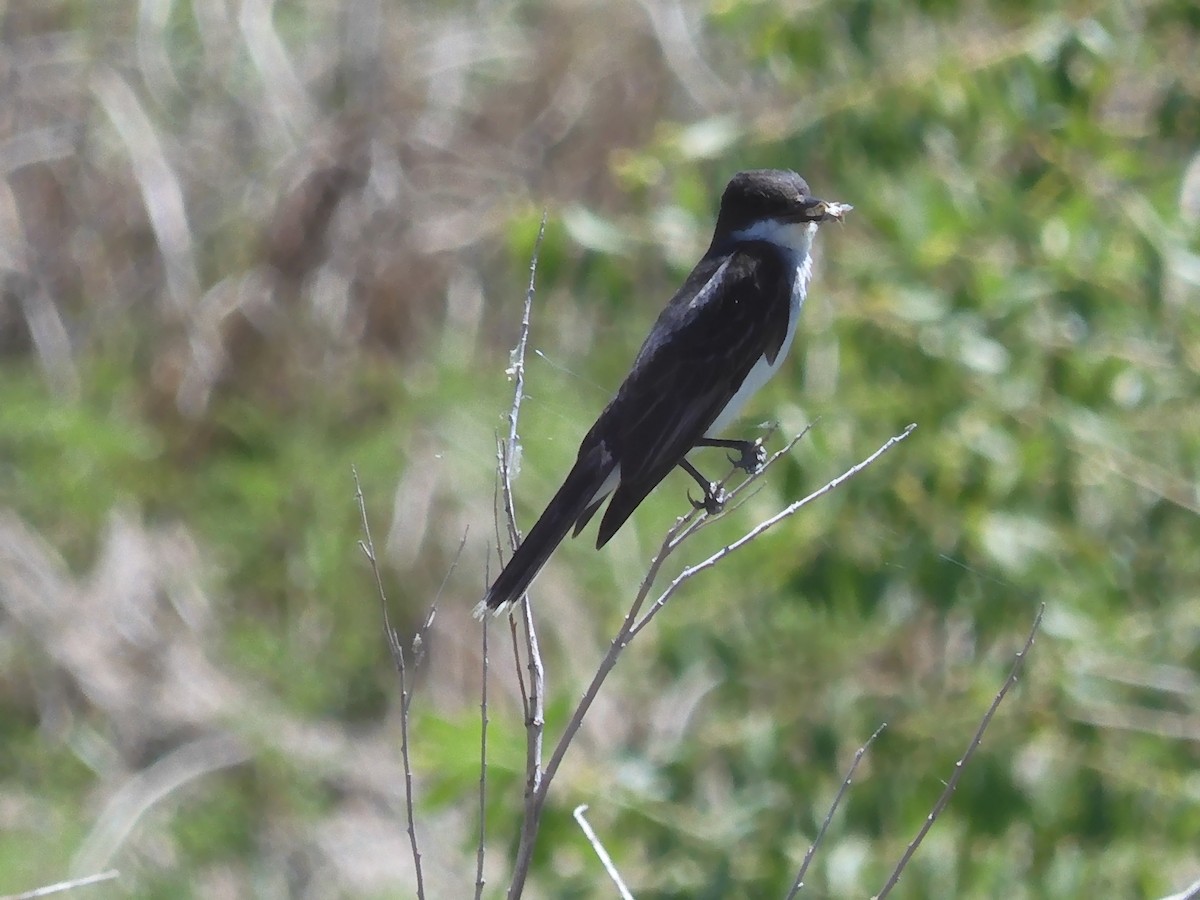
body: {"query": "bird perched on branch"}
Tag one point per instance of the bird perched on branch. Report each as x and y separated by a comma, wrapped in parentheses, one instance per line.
(723, 335)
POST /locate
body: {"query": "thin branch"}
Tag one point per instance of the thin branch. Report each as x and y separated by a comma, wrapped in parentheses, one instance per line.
(419, 639)
(605, 859)
(535, 728)
(518, 358)
(516, 371)
(533, 694)
(764, 526)
(631, 626)
(397, 651)
(506, 453)
(739, 493)
(952, 784)
(61, 886)
(496, 502)
(812, 850)
(619, 643)
(516, 648)
(538, 779)
(692, 522)
(483, 727)
(504, 484)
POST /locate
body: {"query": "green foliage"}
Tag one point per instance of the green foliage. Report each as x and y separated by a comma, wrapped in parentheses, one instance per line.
(1018, 277)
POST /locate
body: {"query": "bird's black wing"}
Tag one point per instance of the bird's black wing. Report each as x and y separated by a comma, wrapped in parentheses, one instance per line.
(731, 311)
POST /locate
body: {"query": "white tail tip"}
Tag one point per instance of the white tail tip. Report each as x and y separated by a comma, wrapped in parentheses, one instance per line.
(482, 609)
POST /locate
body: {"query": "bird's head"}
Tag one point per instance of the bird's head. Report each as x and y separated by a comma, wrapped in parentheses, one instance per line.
(773, 205)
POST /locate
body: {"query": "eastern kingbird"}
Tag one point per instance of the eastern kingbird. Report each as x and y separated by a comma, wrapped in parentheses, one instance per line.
(724, 333)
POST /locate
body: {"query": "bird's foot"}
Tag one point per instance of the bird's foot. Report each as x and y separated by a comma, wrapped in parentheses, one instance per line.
(751, 458)
(714, 499)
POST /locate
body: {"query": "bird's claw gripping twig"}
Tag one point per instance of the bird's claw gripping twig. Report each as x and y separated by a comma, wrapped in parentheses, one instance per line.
(714, 499)
(751, 459)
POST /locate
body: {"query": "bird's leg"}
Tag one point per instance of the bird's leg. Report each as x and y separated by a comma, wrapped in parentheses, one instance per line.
(751, 455)
(714, 494)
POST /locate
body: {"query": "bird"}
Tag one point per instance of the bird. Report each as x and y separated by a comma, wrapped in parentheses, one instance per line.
(723, 334)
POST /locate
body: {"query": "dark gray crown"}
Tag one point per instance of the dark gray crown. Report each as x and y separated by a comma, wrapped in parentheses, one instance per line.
(763, 194)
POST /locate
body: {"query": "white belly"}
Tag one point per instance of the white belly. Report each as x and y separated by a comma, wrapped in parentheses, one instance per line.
(762, 371)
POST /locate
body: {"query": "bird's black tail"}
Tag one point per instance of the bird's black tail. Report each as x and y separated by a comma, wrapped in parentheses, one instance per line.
(578, 492)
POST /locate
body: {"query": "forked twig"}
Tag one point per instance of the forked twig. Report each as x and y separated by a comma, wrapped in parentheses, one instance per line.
(397, 658)
(538, 780)
(944, 798)
(764, 526)
(631, 625)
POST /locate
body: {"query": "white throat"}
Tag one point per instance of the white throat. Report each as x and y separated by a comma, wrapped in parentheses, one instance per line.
(795, 237)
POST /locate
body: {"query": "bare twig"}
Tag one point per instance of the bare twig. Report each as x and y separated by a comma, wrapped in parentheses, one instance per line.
(419, 639)
(631, 625)
(538, 779)
(518, 357)
(483, 726)
(533, 693)
(516, 371)
(61, 886)
(764, 526)
(516, 648)
(742, 492)
(952, 784)
(812, 850)
(605, 859)
(397, 651)
(535, 727)
(504, 485)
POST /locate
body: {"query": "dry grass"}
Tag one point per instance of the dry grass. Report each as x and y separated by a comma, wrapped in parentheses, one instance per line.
(241, 204)
(240, 199)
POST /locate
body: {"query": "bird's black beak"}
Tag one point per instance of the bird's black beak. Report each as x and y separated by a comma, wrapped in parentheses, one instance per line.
(823, 210)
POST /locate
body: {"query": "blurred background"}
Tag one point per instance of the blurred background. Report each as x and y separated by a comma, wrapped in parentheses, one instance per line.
(247, 245)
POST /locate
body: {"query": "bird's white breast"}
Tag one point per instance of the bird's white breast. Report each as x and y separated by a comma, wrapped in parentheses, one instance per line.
(795, 239)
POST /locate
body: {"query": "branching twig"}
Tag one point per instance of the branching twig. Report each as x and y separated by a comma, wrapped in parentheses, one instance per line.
(741, 493)
(397, 651)
(538, 780)
(631, 625)
(605, 859)
(812, 850)
(764, 526)
(959, 766)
